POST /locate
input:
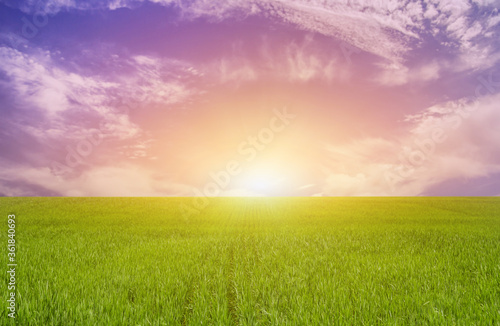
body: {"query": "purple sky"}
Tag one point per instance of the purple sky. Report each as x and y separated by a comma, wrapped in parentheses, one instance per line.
(237, 98)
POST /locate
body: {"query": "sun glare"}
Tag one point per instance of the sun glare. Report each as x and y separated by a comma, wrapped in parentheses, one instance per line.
(261, 180)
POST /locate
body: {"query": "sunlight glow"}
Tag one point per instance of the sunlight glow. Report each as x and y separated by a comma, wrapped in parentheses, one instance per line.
(263, 180)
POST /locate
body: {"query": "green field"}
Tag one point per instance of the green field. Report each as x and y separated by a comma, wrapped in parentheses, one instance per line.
(255, 261)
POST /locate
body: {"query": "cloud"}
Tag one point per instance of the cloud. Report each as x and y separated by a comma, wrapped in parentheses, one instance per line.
(444, 143)
(394, 74)
(112, 180)
(52, 111)
(347, 20)
(158, 80)
(234, 69)
(467, 148)
(347, 185)
(389, 29)
(40, 85)
(34, 82)
(357, 168)
(304, 64)
(51, 7)
(18, 188)
(296, 61)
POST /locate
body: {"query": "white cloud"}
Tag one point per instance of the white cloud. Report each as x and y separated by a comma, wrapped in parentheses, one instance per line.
(115, 180)
(303, 64)
(157, 80)
(476, 58)
(40, 85)
(343, 19)
(387, 28)
(232, 70)
(444, 143)
(60, 108)
(394, 74)
(299, 61)
(31, 80)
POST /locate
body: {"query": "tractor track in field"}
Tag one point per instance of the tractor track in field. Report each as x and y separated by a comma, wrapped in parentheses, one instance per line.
(231, 289)
(189, 299)
(187, 307)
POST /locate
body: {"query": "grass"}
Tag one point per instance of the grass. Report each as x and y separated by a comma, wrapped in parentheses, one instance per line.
(255, 261)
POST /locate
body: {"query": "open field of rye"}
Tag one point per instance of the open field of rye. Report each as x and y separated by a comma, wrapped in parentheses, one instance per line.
(254, 261)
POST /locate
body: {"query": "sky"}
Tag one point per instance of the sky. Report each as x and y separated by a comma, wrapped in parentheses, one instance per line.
(249, 98)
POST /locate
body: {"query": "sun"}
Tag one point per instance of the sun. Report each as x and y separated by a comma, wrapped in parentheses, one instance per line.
(263, 180)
